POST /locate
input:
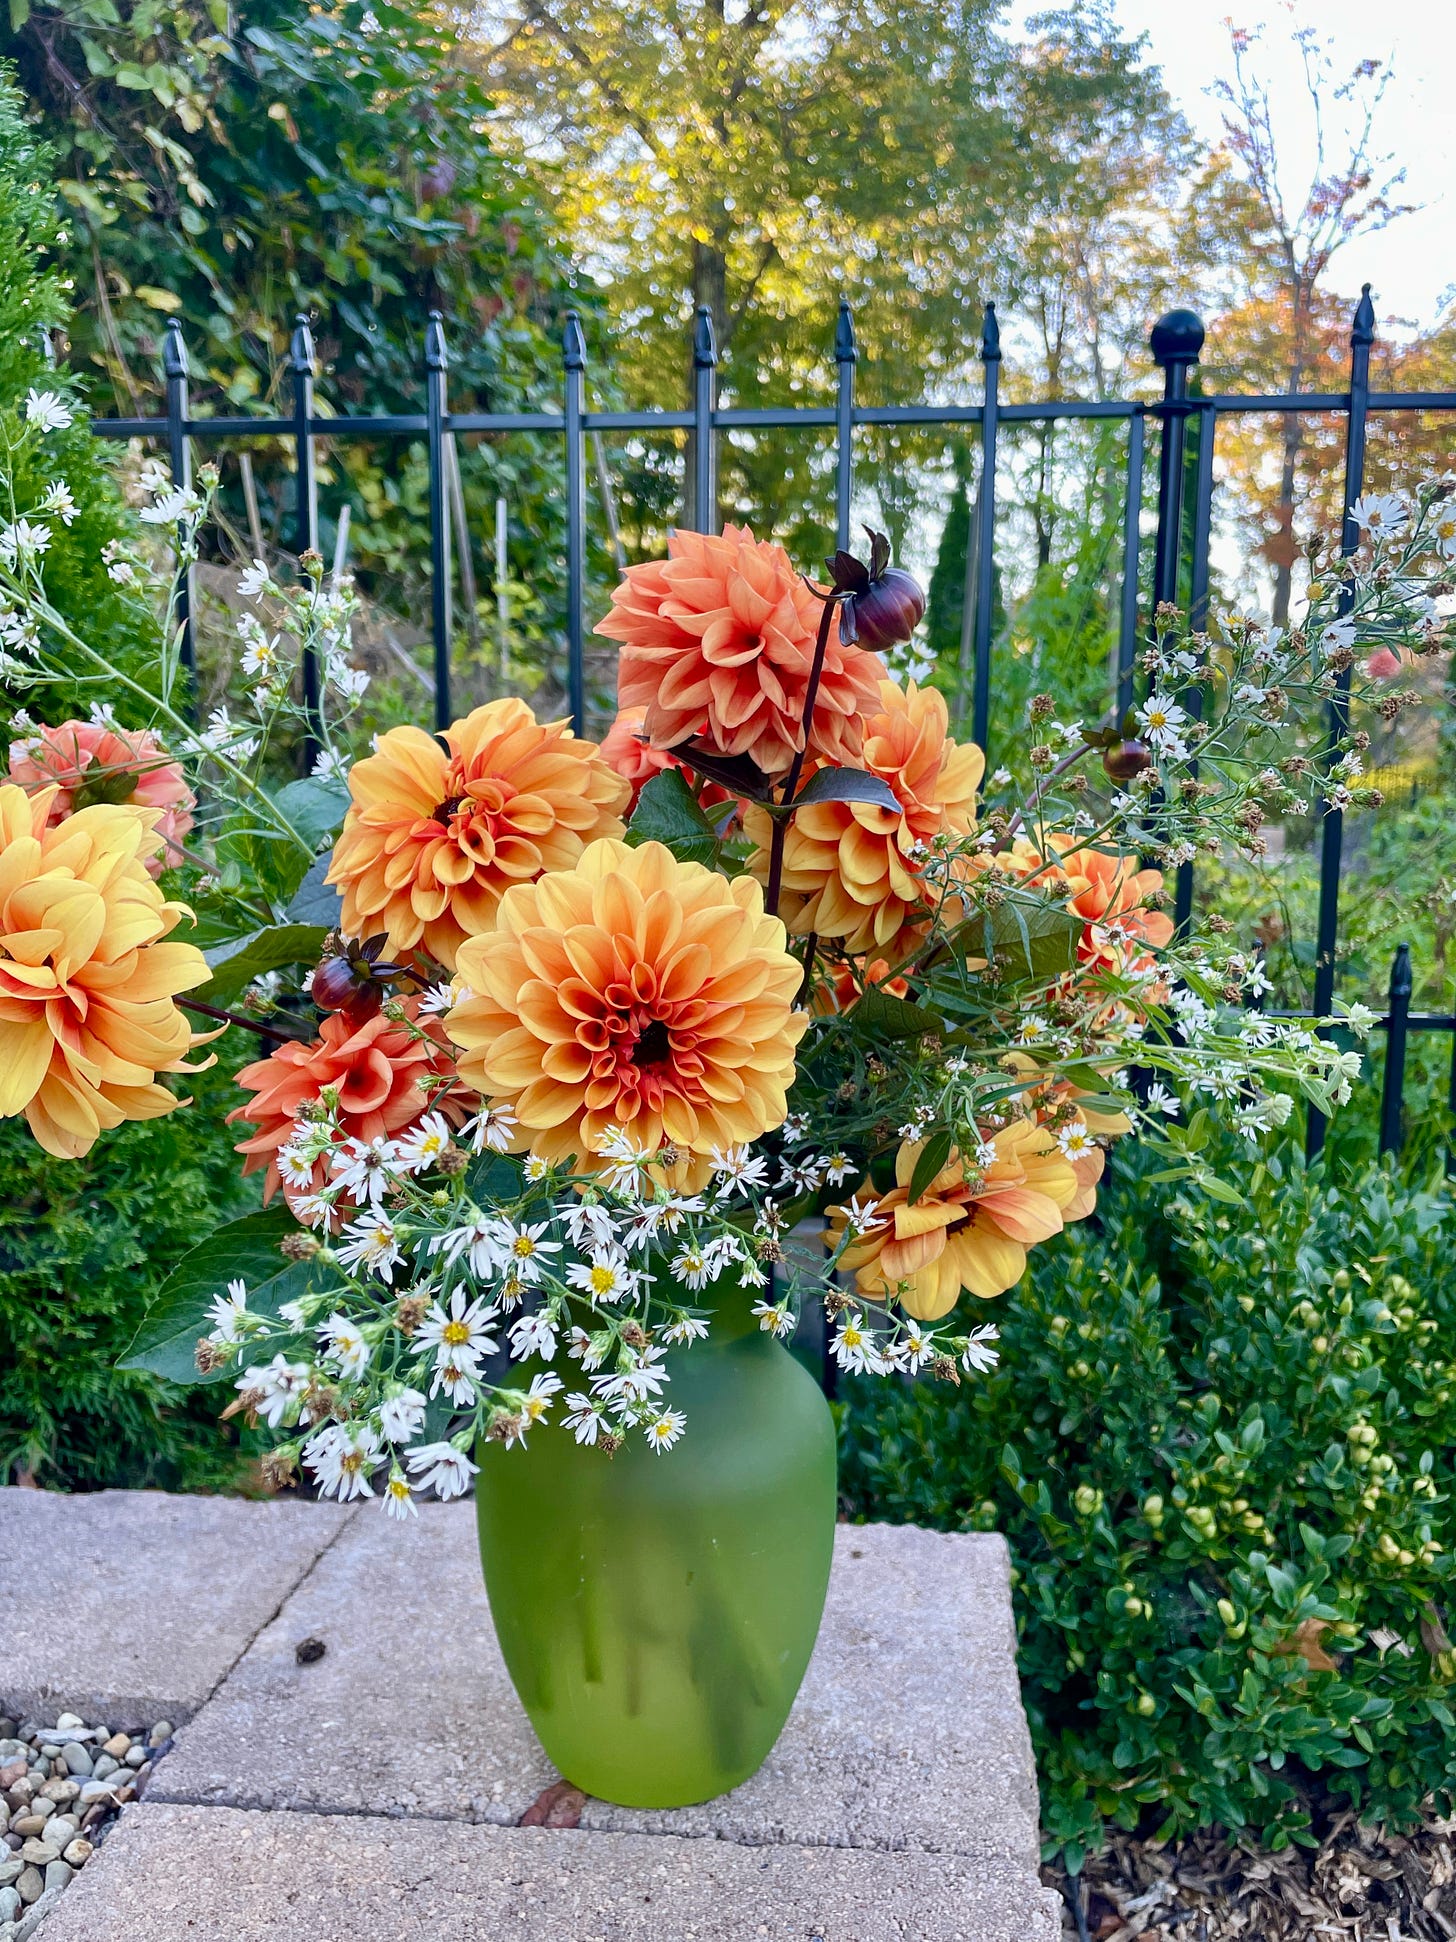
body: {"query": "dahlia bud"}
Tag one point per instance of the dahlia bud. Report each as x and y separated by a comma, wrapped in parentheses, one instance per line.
(1125, 759)
(353, 976)
(885, 604)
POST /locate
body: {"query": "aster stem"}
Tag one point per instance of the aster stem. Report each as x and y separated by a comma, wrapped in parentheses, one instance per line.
(257, 1025)
(796, 767)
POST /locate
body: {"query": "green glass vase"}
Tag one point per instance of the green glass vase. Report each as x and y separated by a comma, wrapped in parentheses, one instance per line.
(656, 1610)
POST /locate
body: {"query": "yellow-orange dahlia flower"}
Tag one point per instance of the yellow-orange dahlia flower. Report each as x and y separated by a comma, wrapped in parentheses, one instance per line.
(718, 642)
(851, 871)
(633, 991)
(1108, 891)
(971, 1227)
(93, 763)
(86, 981)
(433, 840)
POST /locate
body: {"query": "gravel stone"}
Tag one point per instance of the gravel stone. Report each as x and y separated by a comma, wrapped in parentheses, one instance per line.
(10, 1905)
(30, 1884)
(77, 1759)
(104, 1765)
(118, 1746)
(39, 1852)
(78, 1852)
(10, 1867)
(58, 1875)
(137, 1756)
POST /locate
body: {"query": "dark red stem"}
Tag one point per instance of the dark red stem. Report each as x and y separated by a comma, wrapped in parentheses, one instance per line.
(796, 767)
(257, 1025)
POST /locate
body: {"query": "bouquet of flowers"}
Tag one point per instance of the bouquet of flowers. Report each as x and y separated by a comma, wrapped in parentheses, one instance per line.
(772, 984)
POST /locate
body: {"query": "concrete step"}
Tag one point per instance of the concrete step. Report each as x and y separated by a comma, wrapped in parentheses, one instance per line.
(376, 1789)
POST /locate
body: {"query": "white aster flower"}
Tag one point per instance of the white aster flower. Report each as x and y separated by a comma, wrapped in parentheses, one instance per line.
(422, 1145)
(979, 1356)
(402, 1416)
(1160, 1100)
(589, 1225)
(774, 1317)
(460, 1334)
(1379, 513)
(59, 502)
(474, 1244)
(1075, 1141)
(172, 508)
(837, 1169)
(796, 1127)
(372, 1244)
(341, 1458)
(860, 1215)
(585, 1421)
(442, 1468)
(343, 1344)
(606, 1277)
(228, 1313)
(914, 1347)
(254, 581)
(436, 1000)
(1360, 1019)
(396, 1497)
(279, 1387)
(519, 1248)
(639, 1382)
(534, 1334)
(24, 540)
(364, 1169)
(687, 1328)
(664, 1430)
(491, 1129)
(534, 1169)
(48, 409)
(738, 1168)
(855, 1348)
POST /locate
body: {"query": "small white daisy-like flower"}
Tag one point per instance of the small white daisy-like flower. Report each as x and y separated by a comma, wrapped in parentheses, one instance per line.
(402, 1416)
(228, 1313)
(738, 1169)
(1075, 1141)
(473, 1243)
(539, 1397)
(254, 581)
(1379, 513)
(534, 1334)
(24, 540)
(491, 1129)
(519, 1248)
(422, 1146)
(1360, 1019)
(978, 1355)
(985, 1155)
(48, 409)
(365, 1169)
(436, 1000)
(915, 1346)
(534, 1169)
(837, 1169)
(796, 1127)
(855, 1348)
(458, 1376)
(341, 1458)
(860, 1215)
(590, 1226)
(804, 1175)
(687, 1328)
(373, 1244)
(693, 1268)
(460, 1333)
(396, 1497)
(774, 1317)
(1160, 1100)
(172, 508)
(606, 1277)
(279, 1387)
(343, 1344)
(58, 502)
(664, 1430)
(442, 1468)
(639, 1382)
(585, 1421)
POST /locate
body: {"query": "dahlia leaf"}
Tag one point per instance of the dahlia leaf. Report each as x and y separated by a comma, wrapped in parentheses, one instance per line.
(314, 901)
(235, 965)
(244, 1250)
(932, 1157)
(1036, 942)
(667, 812)
(740, 773)
(847, 785)
(315, 808)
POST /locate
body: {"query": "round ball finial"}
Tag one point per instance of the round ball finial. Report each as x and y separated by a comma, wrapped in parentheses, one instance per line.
(1177, 338)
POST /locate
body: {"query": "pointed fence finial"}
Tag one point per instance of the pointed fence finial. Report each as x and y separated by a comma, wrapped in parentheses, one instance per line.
(300, 349)
(573, 344)
(174, 350)
(1363, 331)
(705, 344)
(437, 356)
(990, 337)
(846, 351)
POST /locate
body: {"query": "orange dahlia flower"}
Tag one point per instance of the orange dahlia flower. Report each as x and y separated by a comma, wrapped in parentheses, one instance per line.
(718, 642)
(377, 1067)
(1109, 892)
(86, 981)
(850, 868)
(626, 749)
(92, 763)
(433, 840)
(635, 992)
(971, 1227)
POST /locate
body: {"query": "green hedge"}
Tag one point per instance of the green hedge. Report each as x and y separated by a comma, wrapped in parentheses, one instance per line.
(82, 1245)
(1219, 1445)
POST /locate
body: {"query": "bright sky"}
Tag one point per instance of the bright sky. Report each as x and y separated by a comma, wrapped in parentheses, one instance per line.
(1412, 265)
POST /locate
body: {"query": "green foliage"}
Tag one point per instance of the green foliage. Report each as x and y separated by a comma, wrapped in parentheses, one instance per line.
(1219, 1444)
(83, 1245)
(33, 304)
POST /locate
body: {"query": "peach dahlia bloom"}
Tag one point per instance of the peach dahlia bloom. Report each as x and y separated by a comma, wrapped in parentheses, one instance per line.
(850, 868)
(86, 979)
(432, 840)
(718, 642)
(379, 1069)
(93, 763)
(633, 992)
(970, 1228)
(1108, 892)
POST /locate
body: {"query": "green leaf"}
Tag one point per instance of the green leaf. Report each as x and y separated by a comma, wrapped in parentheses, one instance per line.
(245, 1250)
(847, 785)
(1031, 941)
(236, 964)
(315, 808)
(878, 1015)
(315, 902)
(667, 812)
(933, 1156)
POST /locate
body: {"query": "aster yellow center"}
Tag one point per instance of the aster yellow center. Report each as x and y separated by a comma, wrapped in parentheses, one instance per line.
(455, 1333)
(603, 1280)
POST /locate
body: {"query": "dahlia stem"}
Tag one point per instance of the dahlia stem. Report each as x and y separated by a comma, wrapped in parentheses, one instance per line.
(233, 1018)
(796, 767)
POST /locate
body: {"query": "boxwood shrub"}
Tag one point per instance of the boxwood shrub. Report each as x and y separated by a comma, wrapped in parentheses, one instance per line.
(1220, 1446)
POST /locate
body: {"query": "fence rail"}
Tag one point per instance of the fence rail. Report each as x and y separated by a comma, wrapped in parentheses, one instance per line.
(1182, 533)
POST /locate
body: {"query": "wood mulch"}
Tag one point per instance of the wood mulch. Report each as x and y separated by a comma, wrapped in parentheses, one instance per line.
(1360, 1885)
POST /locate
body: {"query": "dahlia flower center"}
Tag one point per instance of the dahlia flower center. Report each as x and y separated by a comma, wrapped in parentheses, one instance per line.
(654, 1047)
(444, 813)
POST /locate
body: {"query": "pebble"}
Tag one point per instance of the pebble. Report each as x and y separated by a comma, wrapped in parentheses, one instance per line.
(118, 1746)
(137, 1757)
(67, 1720)
(30, 1884)
(9, 1904)
(58, 1874)
(77, 1759)
(10, 1867)
(104, 1765)
(161, 1731)
(78, 1852)
(60, 1791)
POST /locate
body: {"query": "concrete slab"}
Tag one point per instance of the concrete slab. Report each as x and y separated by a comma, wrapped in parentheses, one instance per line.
(908, 1732)
(130, 1605)
(178, 1874)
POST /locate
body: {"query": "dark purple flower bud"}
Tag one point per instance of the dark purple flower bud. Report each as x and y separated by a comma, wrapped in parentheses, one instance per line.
(353, 976)
(884, 604)
(1125, 759)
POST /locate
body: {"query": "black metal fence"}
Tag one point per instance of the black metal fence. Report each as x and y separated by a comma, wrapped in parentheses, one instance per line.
(1182, 534)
